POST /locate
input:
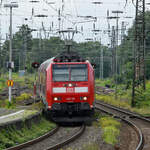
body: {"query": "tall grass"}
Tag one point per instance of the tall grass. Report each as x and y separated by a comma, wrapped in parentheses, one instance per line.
(11, 136)
(111, 129)
(25, 80)
(142, 99)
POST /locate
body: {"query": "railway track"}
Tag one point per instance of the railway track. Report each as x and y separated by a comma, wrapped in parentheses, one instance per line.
(46, 142)
(140, 124)
(21, 146)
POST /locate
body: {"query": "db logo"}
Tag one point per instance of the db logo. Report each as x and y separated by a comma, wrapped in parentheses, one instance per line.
(70, 90)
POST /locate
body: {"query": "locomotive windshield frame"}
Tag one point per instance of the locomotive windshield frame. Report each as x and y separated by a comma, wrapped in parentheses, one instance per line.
(69, 72)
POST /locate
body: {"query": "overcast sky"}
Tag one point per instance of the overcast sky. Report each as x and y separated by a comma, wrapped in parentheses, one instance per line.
(73, 16)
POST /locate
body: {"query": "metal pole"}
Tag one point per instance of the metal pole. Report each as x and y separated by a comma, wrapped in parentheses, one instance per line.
(10, 47)
(139, 76)
(144, 36)
(116, 46)
(102, 63)
(10, 53)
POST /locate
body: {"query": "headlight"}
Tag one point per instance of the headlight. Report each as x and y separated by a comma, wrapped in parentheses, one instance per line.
(70, 85)
(85, 98)
(55, 98)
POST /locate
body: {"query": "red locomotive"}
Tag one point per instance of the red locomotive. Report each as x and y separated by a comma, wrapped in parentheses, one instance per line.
(66, 86)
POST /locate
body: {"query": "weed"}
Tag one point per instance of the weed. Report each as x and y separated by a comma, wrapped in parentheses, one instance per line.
(11, 136)
(110, 134)
(23, 96)
(110, 129)
(142, 98)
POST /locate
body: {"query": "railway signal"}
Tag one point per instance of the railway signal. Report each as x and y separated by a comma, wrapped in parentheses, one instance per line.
(10, 83)
(35, 65)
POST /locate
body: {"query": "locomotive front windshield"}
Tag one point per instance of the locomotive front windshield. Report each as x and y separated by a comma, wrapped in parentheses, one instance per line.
(70, 72)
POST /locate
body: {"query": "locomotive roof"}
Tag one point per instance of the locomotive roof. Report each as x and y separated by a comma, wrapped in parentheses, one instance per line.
(63, 57)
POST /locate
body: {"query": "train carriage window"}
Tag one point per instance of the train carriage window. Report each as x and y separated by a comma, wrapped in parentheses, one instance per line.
(60, 73)
(67, 72)
(79, 72)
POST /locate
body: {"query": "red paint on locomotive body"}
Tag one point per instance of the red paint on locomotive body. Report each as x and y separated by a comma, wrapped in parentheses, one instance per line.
(66, 83)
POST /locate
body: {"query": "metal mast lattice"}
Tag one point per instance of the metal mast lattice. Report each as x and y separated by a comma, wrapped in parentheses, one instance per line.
(139, 49)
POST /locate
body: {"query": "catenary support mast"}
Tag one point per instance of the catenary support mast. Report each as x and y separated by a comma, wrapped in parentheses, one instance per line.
(139, 49)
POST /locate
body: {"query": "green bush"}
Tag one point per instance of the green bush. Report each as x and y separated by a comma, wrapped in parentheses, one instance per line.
(142, 98)
(108, 121)
(110, 134)
(23, 96)
(2, 83)
(105, 82)
(11, 136)
(111, 129)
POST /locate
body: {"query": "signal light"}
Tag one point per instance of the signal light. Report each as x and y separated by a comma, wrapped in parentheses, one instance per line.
(35, 65)
(56, 60)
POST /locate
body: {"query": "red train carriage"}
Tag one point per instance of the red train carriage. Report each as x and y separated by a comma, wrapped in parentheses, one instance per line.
(66, 85)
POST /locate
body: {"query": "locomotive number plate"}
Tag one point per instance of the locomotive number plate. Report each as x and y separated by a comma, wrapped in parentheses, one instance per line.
(70, 90)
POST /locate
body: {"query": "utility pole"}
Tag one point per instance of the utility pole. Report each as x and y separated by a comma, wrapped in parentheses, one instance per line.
(10, 65)
(25, 50)
(123, 29)
(121, 61)
(139, 50)
(117, 12)
(113, 43)
(102, 63)
(1, 61)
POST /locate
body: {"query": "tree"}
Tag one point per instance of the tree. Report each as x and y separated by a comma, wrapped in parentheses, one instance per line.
(21, 46)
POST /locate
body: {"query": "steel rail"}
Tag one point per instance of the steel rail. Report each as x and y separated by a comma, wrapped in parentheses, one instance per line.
(137, 130)
(34, 141)
(69, 140)
(131, 114)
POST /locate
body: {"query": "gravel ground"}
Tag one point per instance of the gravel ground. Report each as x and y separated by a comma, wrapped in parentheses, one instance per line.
(61, 135)
(91, 135)
(145, 127)
(128, 138)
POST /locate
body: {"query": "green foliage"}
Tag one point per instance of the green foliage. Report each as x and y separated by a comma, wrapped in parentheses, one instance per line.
(110, 135)
(110, 99)
(111, 129)
(124, 102)
(11, 105)
(6, 104)
(2, 83)
(142, 98)
(41, 49)
(11, 136)
(105, 82)
(23, 96)
(109, 121)
(125, 51)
